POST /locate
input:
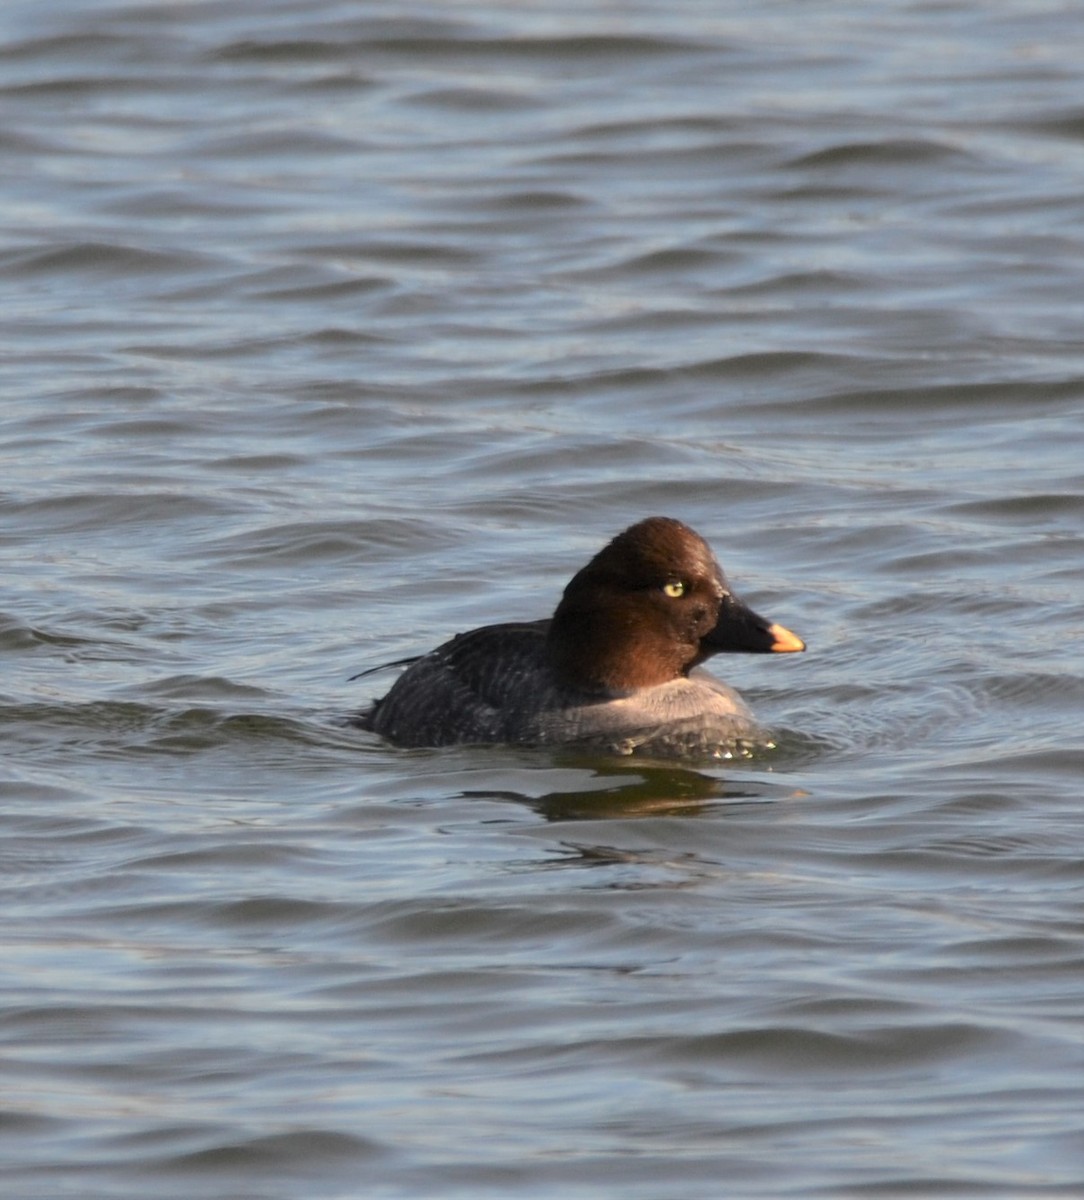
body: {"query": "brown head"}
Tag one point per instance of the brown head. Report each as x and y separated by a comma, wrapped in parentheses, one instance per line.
(647, 608)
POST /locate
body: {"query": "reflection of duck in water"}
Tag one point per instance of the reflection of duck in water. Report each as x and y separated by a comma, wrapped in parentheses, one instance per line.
(615, 668)
(626, 789)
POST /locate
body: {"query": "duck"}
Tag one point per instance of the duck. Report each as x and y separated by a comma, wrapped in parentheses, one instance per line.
(617, 668)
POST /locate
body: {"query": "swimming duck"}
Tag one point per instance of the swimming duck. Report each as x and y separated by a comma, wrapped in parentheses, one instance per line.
(615, 668)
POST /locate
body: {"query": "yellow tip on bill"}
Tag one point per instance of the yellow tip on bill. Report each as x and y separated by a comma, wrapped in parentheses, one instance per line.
(783, 641)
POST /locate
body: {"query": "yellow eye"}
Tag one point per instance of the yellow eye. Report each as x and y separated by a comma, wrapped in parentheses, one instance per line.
(674, 589)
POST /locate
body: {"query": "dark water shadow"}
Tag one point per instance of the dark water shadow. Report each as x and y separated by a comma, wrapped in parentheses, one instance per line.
(640, 789)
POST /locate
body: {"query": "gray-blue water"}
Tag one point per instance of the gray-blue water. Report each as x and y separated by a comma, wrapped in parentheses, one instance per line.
(331, 329)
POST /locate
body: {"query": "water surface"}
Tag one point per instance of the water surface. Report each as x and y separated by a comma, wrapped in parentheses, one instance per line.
(334, 329)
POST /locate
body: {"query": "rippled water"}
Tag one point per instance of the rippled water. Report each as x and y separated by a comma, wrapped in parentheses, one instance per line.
(332, 329)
